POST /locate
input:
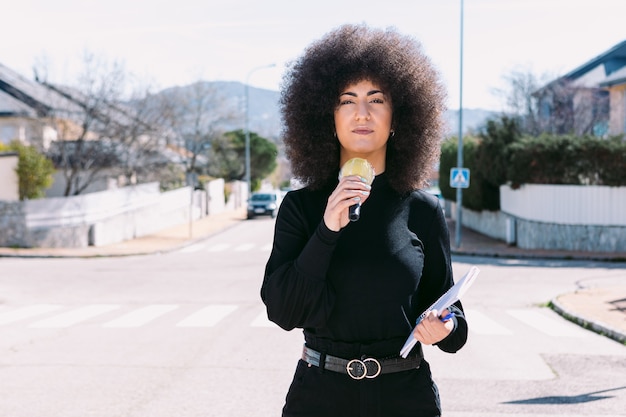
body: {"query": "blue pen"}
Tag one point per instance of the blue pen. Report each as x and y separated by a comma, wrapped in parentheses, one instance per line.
(447, 317)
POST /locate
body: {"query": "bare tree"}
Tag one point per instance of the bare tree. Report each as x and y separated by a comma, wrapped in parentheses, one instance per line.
(99, 135)
(197, 116)
(560, 106)
(520, 85)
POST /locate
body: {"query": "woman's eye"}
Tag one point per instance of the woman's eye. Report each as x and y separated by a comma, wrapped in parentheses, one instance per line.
(377, 100)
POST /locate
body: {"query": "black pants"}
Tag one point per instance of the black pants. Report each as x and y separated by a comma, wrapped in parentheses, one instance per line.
(316, 393)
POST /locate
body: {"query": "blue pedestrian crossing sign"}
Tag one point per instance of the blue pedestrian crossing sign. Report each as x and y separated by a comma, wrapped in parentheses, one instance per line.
(459, 177)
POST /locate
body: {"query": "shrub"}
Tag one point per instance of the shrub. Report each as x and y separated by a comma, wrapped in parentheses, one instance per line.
(501, 155)
(34, 170)
(475, 196)
(567, 159)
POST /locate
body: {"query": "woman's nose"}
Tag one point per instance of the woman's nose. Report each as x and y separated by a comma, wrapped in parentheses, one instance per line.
(362, 112)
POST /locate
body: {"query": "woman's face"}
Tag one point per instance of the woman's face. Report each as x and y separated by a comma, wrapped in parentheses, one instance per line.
(363, 123)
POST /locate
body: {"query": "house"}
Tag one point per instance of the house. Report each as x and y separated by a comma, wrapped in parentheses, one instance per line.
(29, 111)
(591, 99)
(74, 129)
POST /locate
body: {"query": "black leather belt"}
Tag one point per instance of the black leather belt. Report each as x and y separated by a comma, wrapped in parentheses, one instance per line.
(365, 367)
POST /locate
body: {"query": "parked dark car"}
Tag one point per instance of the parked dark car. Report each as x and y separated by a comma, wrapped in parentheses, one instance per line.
(264, 203)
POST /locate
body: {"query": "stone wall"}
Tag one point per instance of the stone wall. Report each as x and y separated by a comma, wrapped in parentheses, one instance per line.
(559, 217)
(13, 231)
(587, 238)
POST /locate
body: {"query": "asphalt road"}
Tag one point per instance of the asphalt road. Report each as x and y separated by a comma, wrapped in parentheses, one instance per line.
(184, 334)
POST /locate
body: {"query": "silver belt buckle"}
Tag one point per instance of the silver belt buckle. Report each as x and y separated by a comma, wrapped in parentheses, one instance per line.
(357, 368)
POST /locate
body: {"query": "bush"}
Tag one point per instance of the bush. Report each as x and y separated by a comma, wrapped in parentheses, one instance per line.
(474, 196)
(567, 159)
(34, 170)
(500, 155)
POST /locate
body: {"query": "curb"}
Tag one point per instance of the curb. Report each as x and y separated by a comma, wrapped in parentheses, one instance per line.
(593, 325)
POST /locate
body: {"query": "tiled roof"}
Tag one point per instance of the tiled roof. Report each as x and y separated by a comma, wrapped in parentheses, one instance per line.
(10, 106)
(613, 59)
(39, 98)
(618, 77)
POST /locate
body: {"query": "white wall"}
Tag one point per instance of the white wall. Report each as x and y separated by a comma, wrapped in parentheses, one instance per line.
(566, 204)
(110, 216)
(9, 181)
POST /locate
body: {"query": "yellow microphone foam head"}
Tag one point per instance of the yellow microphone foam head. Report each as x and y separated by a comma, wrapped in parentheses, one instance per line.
(360, 167)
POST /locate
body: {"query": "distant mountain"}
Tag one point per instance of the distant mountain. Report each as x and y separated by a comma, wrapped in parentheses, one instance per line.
(264, 117)
(473, 119)
(264, 113)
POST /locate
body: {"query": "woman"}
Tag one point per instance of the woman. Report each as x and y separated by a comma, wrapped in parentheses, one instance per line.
(357, 288)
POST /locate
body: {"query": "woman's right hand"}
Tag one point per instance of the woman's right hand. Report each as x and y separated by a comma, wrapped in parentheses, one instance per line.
(350, 190)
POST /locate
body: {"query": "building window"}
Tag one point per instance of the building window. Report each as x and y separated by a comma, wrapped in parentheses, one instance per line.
(8, 134)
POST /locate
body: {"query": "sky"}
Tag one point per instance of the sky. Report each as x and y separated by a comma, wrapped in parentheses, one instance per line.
(167, 43)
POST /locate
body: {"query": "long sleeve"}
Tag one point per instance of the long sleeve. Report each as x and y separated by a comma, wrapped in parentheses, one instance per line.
(437, 277)
(294, 288)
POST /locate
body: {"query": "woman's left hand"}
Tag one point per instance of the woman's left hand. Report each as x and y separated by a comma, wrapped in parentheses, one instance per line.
(432, 329)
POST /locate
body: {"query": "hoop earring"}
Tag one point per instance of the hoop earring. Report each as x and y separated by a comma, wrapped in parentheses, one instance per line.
(393, 133)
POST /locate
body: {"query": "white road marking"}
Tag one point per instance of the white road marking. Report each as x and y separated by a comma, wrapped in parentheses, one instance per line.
(244, 247)
(262, 321)
(219, 247)
(546, 324)
(192, 248)
(480, 323)
(75, 316)
(207, 316)
(141, 316)
(22, 313)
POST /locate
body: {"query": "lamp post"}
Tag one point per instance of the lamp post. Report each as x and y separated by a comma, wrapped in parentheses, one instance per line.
(247, 94)
(459, 155)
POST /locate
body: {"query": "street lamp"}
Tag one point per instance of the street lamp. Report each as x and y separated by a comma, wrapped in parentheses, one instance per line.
(247, 93)
(459, 154)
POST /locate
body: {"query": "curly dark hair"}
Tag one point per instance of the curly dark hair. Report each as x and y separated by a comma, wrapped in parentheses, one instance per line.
(349, 54)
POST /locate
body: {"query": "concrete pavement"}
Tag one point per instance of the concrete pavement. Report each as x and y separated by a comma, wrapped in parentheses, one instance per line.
(602, 310)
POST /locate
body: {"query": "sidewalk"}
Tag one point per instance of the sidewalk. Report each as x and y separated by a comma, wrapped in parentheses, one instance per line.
(602, 310)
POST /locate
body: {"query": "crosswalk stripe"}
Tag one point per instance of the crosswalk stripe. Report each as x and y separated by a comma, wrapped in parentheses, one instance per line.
(75, 316)
(262, 321)
(141, 316)
(244, 247)
(545, 324)
(480, 323)
(207, 316)
(219, 247)
(12, 316)
(192, 248)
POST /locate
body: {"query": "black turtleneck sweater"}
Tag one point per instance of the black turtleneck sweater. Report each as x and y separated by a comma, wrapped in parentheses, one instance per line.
(360, 290)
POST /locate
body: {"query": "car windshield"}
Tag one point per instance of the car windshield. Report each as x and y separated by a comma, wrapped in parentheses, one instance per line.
(263, 197)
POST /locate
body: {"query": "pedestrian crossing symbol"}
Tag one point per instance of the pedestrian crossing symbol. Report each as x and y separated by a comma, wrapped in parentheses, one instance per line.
(459, 177)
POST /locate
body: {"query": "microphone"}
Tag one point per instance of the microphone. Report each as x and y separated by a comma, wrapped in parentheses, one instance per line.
(362, 168)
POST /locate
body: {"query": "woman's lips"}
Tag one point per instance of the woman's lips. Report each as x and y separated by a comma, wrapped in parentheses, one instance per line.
(362, 131)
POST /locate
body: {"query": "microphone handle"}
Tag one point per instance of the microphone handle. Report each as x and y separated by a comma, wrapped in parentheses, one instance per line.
(355, 212)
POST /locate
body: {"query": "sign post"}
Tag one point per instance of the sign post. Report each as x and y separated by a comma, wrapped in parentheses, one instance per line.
(459, 156)
(459, 179)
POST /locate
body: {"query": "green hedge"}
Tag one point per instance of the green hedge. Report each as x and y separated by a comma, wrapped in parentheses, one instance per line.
(473, 196)
(568, 159)
(500, 156)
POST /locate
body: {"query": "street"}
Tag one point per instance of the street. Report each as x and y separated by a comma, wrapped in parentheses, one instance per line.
(185, 334)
